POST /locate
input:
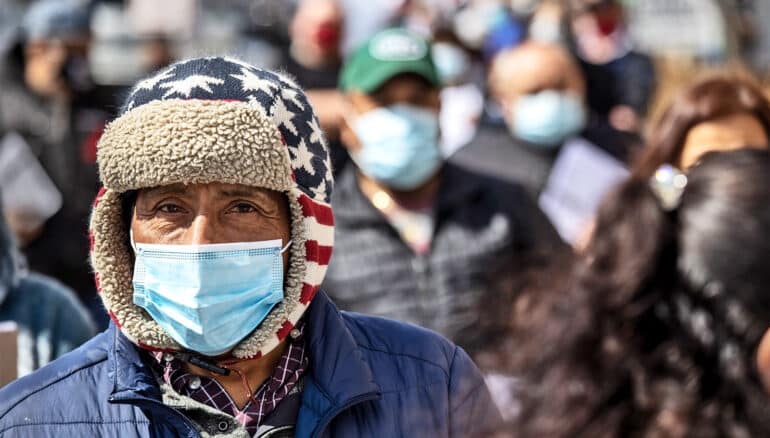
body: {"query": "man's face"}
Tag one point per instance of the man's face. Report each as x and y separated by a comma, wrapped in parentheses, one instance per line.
(406, 89)
(47, 65)
(198, 214)
(532, 70)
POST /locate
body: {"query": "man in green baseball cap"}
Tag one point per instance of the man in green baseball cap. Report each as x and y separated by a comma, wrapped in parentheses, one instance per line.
(393, 91)
(438, 239)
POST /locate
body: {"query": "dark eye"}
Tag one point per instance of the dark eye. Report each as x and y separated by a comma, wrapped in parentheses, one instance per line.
(170, 208)
(243, 207)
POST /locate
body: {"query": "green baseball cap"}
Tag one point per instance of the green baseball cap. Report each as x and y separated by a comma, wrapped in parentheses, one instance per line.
(387, 54)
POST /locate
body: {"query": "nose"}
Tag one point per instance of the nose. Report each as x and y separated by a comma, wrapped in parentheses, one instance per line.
(201, 231)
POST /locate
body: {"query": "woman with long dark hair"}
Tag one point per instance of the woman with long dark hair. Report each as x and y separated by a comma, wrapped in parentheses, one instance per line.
(654, 330)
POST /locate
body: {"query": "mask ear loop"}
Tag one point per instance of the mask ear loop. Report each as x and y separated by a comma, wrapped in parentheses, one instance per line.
(131, 239)
(349, 117)
(285, 248)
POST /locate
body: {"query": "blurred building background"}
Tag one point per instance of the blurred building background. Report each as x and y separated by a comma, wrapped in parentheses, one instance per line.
(131, 37)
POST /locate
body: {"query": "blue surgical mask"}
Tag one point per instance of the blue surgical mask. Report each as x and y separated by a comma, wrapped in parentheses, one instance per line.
(399, 145)
(209, 297)
(452, 63)
(548, 118)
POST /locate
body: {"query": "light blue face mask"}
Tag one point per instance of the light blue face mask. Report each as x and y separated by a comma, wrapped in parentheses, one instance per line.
(209, 297)
(452, 63)
(548, 118)
(399, 145)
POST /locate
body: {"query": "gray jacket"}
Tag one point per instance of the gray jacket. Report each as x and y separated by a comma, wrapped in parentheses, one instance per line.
(488, 235)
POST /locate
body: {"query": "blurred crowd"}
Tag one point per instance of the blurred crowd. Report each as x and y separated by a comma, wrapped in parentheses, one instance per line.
(573, 191)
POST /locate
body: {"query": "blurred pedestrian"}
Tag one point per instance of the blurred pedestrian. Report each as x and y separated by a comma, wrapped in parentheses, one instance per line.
(314, 58)
(314, 54)
(539, 132)
(716, 113)
(217, 184)
(524, 150)
(661, 327)
(157, 52)
(419, 239)
(475, 20)
(49, 319)
(462, 100)
(50, 100)
(620, 80)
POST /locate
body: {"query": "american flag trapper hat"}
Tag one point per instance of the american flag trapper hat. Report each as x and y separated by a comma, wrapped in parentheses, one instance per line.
(214, 120)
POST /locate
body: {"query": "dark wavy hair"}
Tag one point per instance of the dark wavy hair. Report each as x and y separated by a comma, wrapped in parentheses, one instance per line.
(653, 330)
(709, 98)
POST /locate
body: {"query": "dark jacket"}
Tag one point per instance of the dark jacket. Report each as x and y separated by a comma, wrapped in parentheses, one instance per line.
(628, 80)
(368, 377)
(493, 151)
(62, 136)
(487, 235)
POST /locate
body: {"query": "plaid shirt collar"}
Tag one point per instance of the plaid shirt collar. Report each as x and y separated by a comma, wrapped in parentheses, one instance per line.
(286, 376)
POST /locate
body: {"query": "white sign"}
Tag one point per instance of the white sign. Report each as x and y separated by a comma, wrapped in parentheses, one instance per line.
(25, 188)
(683, 27)
(580, 178)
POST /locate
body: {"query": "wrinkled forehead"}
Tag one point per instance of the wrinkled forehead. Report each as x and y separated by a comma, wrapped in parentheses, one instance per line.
(215, 189)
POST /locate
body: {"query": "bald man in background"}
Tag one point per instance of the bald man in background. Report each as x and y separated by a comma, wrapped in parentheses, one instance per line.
(536, 117)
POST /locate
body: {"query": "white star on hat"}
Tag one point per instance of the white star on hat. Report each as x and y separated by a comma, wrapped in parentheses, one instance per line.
(283, 117)
(316, 134)
(304, 158)
(186, 85)
(151, 82)
(252, 82)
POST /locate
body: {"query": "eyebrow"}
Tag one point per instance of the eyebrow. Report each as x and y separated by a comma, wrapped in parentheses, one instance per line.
(181, 189)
